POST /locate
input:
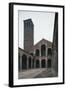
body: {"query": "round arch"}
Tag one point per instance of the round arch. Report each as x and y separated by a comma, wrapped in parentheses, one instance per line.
(49, 63)
(43, 50)
(37, 63)
(49, 51)
(43, 63)
(24, 61)
(37, 52)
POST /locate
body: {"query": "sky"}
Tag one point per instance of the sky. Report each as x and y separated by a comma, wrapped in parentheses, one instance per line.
(43, 25)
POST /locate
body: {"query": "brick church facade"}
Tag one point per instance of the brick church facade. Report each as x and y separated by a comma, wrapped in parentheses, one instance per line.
(34, 56)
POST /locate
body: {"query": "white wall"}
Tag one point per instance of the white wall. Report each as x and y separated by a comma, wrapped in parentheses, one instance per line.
(4, 44)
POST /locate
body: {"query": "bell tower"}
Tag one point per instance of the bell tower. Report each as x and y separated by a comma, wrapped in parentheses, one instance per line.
(28, 34)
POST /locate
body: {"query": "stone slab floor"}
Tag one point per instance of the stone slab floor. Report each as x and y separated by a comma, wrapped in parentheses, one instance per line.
(36, 73)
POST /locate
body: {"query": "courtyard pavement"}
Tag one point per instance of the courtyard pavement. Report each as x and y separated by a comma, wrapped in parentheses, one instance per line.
(36, 73)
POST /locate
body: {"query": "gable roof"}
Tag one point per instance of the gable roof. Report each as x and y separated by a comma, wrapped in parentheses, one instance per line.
(42, 41)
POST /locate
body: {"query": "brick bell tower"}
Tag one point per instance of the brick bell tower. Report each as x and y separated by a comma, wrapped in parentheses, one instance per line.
(28, 34)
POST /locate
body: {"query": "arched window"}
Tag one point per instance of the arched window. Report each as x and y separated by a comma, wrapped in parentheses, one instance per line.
(37, 52)
(49, 51)
(29, 62)
(43, 50)
(37, 63)
(49, 63)
(43, 63)
(24, 61)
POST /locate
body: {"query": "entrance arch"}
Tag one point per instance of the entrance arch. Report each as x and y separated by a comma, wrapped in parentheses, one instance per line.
(24, 61)
(43, 63)
(37, 63)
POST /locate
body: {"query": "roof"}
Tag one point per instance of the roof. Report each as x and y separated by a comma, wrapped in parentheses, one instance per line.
(24, 51)
(35, 45)
(40, 42)
(43, 40)
(28, 20)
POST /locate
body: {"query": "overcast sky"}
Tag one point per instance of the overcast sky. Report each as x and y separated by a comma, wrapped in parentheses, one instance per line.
(43, 25)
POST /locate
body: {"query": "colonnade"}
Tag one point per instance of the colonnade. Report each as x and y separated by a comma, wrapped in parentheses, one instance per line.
(38, 60)
(28, 62)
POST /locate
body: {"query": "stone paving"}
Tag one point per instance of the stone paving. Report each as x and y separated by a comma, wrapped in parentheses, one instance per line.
(46, 73)
(36, 73)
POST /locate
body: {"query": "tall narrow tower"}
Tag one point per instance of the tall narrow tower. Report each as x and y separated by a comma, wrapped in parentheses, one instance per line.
(55, 46)
(28, 34)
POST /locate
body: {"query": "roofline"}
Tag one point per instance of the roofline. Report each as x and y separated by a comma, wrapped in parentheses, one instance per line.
(43, 39)
(24, 51)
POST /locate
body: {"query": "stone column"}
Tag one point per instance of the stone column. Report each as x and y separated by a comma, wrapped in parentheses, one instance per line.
(31, 63)
(27, 63)
(46, 62)
(40, 62)
(34, 60)
(35, 63)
